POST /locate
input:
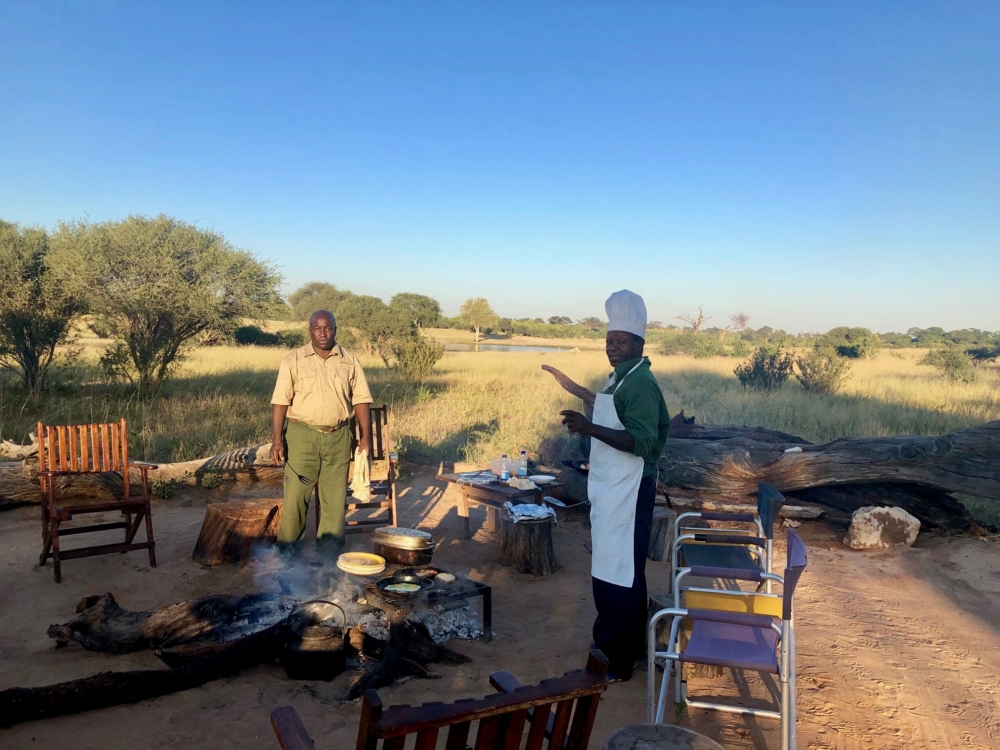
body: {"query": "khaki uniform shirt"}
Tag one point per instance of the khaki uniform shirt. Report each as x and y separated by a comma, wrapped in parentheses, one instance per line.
(320, 392)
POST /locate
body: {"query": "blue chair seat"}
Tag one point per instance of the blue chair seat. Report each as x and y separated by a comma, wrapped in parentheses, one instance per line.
(736, 646)
(719, 556)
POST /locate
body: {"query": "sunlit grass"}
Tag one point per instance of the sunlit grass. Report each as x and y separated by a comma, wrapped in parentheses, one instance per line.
(478, 405)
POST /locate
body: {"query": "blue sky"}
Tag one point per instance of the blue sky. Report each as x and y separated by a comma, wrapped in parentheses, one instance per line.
(811, 164)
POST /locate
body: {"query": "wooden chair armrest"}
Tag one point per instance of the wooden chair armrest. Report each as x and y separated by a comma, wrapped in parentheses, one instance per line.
(504, 682)
(291, 732)
(143, 465)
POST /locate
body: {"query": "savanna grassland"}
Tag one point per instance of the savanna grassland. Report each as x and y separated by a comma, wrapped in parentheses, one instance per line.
(476, 405)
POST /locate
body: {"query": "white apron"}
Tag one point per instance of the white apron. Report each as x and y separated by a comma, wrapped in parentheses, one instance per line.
(613, 487)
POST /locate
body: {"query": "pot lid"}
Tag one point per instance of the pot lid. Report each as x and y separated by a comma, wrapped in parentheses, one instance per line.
(402, 537)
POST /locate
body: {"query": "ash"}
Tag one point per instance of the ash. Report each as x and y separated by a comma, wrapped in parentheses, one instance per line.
(443, 625)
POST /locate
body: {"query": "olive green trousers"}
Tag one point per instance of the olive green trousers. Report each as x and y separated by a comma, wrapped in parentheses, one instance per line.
(313, 457)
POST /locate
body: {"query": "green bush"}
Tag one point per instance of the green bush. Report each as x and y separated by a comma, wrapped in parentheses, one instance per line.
(705, 347)
(415, 358)
(293, 337)
(853, 343)
(254, 336)
(953, 363)
(823, 370)
(767, 369)
(739, 348)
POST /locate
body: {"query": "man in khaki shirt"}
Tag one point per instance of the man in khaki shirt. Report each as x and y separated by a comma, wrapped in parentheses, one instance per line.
(320, 388)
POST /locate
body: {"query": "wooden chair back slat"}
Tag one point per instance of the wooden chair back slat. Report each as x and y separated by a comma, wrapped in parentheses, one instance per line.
(560, 726)
(427, 739)
(124, 440)
(52, 451)
(116, 447)
(486, 737)
(105, 453)
(513, 728)
(74, 449)
(458, 736)
(539, 723)
(84, 449)
(583, 722)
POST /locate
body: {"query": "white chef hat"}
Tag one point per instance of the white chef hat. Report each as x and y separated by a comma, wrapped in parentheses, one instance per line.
(626, 312)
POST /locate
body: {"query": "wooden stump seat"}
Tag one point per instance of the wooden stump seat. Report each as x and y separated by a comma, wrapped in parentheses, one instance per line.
(232, 529)
(526, 546)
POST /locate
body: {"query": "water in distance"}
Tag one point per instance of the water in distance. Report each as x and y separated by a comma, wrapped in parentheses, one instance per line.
(498, 348)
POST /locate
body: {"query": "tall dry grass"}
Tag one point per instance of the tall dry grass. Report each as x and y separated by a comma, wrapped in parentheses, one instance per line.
(478, 405)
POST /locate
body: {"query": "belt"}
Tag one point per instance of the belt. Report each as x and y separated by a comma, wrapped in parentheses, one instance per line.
(322, 428)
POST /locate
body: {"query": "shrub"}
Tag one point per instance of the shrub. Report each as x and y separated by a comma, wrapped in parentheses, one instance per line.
(823, 370)
(854, 343)
(739, 348)
(767, 369)
(415, 358)
(705, 347)
(293, 337)
(952, 363)
(255, 336)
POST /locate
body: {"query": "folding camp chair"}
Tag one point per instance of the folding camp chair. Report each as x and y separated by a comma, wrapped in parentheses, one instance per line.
(738, 549)
(732, 639)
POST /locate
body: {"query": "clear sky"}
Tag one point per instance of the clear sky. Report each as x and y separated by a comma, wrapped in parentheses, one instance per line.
(811, 164)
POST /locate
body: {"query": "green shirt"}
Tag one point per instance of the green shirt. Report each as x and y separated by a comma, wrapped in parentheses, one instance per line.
(641, 408)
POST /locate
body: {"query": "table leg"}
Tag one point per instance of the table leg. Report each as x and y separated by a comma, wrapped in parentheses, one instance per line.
(492, 521)
(488, 615)
(464, 532)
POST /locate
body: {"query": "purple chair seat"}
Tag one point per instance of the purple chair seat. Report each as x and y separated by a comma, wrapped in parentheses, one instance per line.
(738, 646)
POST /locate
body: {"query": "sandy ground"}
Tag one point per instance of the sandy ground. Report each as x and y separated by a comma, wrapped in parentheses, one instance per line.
(895, 649)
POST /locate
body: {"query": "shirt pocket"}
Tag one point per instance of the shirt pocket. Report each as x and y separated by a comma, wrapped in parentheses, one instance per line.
(305, 385)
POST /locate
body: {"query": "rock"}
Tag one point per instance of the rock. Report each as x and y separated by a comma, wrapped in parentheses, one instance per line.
(877, 528)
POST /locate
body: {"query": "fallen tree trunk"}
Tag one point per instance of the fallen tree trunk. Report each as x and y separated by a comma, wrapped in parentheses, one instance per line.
(967, 461)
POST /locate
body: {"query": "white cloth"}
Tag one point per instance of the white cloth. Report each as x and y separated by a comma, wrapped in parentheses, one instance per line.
(613, 488)
(626, 312)
(361, 483)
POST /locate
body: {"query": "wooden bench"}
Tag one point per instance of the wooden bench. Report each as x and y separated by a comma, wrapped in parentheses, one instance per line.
(560, 710)
(74, 450)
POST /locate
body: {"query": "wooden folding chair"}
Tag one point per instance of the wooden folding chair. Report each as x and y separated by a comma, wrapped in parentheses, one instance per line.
(75, 450)
(561, 710)
(383, 490)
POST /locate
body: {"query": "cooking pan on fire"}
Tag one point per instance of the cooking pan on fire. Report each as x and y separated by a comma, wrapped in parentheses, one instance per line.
(404, 584)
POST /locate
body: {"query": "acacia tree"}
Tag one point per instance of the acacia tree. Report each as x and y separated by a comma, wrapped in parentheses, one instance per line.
(422, 311)
(477, 314)
(316, 295)
(695, 321)
(37, 312)
(157, 283)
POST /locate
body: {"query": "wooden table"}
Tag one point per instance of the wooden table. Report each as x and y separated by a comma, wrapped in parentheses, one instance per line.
(493, 496)
(659, 737)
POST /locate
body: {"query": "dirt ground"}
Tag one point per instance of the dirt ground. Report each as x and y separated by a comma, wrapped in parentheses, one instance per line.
(895, 649)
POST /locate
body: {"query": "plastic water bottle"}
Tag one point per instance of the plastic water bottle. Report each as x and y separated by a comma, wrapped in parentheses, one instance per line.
(522, 465)
(504, 469)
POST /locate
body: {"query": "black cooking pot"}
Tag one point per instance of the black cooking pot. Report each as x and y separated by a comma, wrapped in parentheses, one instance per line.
(400, 556)
(316, 650)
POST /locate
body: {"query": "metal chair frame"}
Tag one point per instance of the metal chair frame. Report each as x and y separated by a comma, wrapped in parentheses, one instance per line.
(655, 706)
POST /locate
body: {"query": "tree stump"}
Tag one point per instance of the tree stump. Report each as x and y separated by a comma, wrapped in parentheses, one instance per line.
(231, 530)
(659, 737)
(527, 546)
(662, 534)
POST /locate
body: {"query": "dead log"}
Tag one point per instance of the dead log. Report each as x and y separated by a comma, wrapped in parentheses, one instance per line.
(102, 625)
(967, 461)
(232, 530)
(115, 688)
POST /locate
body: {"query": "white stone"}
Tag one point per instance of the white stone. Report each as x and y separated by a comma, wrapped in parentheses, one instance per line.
(878, 528)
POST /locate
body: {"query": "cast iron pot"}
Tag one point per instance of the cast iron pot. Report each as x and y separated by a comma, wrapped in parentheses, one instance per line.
(400, 556)
(315, 650)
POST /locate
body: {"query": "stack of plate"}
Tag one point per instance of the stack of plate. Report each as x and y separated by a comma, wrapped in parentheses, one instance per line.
(361, 563)
(402, 537)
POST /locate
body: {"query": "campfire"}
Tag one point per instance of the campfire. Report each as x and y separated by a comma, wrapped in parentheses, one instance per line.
(319, 623)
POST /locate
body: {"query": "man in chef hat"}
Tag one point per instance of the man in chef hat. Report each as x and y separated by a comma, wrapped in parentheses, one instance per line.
(628, 432)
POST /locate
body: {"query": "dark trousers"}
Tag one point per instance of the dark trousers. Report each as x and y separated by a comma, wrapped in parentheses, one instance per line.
(620, 628)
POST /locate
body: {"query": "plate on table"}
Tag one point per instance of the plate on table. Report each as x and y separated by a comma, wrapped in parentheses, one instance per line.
(542, 478)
